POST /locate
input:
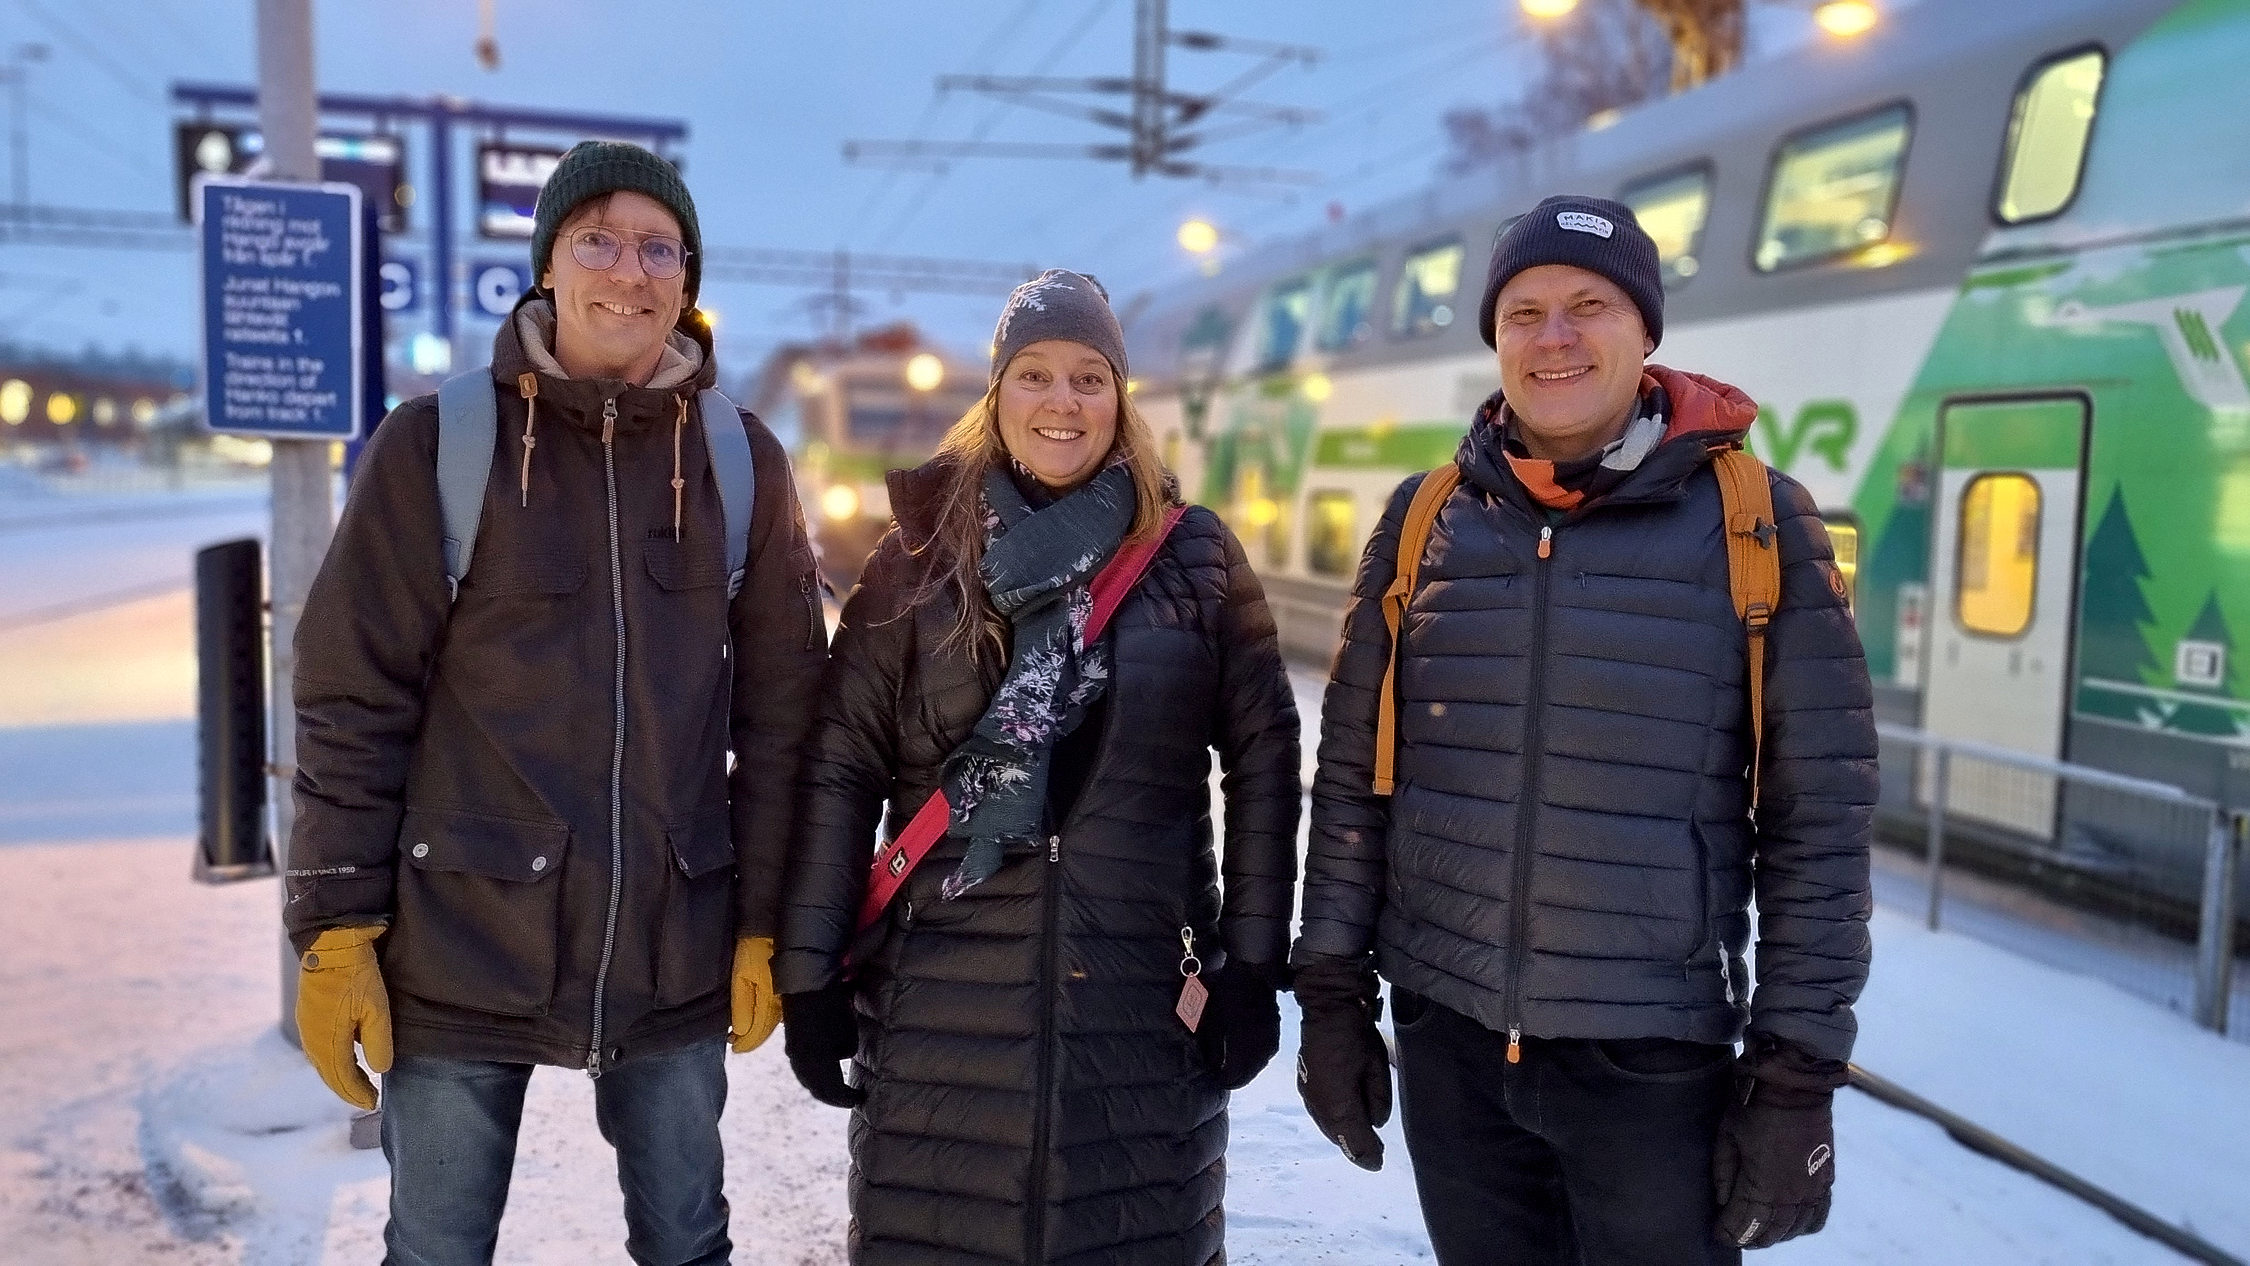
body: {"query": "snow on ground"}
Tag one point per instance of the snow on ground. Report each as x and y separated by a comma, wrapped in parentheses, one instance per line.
(149, 1111)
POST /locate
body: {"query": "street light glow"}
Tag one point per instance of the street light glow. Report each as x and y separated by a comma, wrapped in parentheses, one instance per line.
(840, 503)
(1846, 18)
(1546, 10)
(15, 401)
(62, 410)
(1199, 237)
(925, 372)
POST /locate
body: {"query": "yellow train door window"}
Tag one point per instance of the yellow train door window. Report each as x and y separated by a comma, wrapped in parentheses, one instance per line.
(1998, 576)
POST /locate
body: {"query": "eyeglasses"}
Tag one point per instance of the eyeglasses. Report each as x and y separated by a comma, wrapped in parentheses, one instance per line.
(599, 248)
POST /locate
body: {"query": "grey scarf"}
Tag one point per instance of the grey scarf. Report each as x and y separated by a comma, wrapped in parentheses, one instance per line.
(1038, 567)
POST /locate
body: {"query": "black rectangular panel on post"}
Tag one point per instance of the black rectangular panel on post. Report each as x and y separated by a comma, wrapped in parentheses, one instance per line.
(230, 712)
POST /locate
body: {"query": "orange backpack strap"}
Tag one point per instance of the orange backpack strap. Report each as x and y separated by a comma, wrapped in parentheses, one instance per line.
(1413, 534)
(1753, 573)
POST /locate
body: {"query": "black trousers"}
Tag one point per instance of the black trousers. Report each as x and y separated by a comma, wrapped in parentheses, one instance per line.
(1586, 1153)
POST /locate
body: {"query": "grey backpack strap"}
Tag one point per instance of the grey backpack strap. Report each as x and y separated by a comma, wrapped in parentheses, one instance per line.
(731, 464)
(468, 420)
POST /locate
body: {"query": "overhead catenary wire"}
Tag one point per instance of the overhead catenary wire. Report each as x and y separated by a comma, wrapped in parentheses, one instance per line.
(996, 40)
(101, 143)
(1453, 63)
(92, 52)
(1061, 49)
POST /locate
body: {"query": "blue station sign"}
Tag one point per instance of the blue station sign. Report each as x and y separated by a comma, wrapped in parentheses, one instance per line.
(281, 308)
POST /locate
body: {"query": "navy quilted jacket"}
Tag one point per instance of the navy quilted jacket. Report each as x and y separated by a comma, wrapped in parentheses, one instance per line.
(1569, 849)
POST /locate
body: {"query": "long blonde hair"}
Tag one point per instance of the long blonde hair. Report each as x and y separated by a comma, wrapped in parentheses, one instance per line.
(972, 446)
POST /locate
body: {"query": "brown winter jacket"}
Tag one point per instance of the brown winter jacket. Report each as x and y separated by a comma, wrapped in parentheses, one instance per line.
(530, 785)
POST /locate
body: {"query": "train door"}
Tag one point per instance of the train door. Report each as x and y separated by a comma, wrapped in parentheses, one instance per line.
(2003, 578)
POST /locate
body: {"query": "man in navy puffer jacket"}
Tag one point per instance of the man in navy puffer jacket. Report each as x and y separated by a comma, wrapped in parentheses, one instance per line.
(1558, 886)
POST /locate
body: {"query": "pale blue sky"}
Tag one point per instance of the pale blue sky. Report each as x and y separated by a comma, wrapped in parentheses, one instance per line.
(770, 91)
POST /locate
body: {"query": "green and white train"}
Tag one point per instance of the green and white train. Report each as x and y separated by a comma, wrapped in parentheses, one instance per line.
(1982, 269)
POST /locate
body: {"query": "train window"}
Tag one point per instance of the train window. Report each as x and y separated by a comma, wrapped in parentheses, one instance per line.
(1332, 538)
(1833, 190)
(1288, 310)
(1999, 558)
(1843, 536)
(2047, 134)
(1422, 302)
(1672, 208)
(1346, 316)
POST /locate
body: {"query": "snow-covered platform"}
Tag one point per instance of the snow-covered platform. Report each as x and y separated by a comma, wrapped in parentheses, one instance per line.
(150, 1113)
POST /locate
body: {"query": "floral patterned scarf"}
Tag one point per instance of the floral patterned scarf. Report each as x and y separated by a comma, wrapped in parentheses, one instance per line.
(1038, 567)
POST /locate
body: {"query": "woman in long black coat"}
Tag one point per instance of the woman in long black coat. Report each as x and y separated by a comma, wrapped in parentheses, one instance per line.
(1025, 1088)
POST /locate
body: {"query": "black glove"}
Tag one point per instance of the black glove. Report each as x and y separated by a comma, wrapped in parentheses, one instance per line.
(1241, 1025)
(819, 1031)
(1343, 1068)
(1776, 1155)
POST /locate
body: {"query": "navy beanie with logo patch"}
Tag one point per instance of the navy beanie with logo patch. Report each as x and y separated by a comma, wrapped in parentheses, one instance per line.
(1595, 234)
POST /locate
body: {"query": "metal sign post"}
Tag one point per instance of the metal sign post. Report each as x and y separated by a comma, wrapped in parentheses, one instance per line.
(303, 487)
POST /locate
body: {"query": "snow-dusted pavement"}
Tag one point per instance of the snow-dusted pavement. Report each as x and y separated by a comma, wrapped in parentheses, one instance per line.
(149, 1112)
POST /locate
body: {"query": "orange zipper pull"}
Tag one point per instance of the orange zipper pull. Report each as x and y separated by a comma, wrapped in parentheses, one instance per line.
(1546, 541)
(1515, 1046)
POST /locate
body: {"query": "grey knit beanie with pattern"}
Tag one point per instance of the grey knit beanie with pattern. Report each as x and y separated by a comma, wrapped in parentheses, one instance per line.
(1058, 304)
(593, 168)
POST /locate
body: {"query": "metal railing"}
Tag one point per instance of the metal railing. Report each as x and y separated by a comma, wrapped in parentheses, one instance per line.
(2214, 959)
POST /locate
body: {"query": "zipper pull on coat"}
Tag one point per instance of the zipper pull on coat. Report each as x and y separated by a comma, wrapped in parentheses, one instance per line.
(1546, 541)
(1515, 1046)
(609, 419)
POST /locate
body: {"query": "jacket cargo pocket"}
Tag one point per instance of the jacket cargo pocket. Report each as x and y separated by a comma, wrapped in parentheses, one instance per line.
(479, 911)
(695, 940)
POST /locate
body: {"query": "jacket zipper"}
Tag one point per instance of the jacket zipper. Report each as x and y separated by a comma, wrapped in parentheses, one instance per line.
(617, 738)
(1036, 1223)
(1526, 811)
(812, 612)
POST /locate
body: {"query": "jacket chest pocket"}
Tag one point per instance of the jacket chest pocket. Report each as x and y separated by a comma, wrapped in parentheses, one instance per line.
(695, 935)
(683, 565)
(479, 911)
(535, 573)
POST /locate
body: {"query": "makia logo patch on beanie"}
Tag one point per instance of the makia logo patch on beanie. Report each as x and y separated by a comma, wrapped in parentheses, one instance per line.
(1584, 222)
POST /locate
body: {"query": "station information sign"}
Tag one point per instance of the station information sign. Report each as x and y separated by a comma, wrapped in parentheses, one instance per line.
(374, 161)
(281, 308)
(509, 178)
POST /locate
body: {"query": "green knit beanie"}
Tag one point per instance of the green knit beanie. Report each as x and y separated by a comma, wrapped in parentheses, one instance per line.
(593, 168)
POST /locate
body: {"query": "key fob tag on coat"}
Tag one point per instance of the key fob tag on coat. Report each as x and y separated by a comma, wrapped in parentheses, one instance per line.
(1193, 994)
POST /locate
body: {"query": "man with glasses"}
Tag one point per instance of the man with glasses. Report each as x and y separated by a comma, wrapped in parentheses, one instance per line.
(519, 837)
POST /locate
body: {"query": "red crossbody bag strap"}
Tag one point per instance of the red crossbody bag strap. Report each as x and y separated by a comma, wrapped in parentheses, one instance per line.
(895, 861)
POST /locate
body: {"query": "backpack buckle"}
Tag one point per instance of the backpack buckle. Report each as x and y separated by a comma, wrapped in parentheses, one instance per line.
(1757, 615)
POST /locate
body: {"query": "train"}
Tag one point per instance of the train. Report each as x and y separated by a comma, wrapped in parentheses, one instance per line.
(1983, 270)
(849, 410)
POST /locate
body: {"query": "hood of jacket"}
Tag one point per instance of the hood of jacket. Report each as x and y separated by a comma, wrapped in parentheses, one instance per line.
(523, 361)
(1706, 416)
(525, 344)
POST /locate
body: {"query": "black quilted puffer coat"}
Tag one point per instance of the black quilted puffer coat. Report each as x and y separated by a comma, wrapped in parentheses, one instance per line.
(1568, 849)
(1031, 1095)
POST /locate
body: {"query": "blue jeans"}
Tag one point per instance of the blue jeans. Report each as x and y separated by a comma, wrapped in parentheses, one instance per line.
(449, 1132)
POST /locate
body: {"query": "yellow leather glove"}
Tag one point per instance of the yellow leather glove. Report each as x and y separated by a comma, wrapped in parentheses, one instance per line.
(757, 1008)
(340, 998)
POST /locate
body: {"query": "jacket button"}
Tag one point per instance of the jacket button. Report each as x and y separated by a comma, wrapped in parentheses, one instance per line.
(539, 863)
(421, 850)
